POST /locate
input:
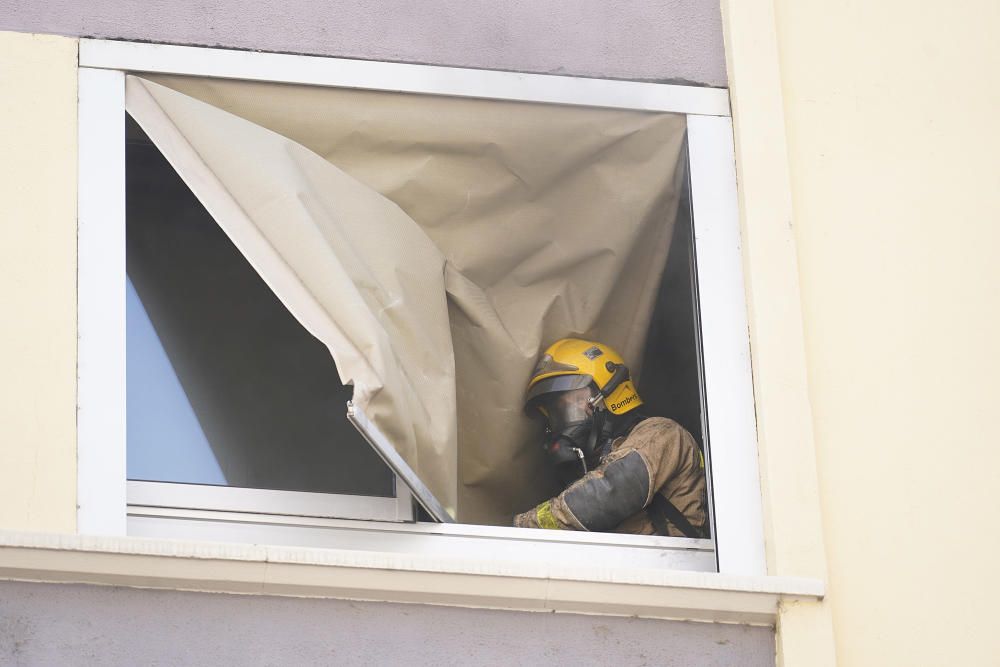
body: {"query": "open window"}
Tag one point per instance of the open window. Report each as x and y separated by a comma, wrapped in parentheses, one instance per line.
(412, 253)
(230, 403)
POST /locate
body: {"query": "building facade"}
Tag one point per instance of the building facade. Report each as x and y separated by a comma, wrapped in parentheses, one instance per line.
(867, 186)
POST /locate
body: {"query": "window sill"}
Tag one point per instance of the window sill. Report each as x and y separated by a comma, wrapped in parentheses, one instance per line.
(333, 573)
(432, 541)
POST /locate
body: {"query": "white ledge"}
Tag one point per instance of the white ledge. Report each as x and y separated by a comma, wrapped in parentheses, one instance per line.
(358, 575)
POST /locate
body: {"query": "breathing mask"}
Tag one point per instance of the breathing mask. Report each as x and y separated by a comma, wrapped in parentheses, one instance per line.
(570, 436)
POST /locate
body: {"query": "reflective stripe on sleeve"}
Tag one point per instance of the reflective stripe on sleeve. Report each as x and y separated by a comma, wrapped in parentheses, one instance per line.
(545, 517)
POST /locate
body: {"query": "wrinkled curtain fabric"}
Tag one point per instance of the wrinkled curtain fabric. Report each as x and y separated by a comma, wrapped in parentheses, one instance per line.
(435, 245)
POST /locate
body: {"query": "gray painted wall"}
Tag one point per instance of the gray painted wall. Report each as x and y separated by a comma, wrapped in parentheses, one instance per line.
(670, 40)
(60, 624)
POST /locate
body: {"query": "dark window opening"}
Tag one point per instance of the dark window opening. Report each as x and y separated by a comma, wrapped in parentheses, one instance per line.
(670, 384)
(224, 386)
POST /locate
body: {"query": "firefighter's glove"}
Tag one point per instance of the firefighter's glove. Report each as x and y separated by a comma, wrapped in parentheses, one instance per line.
(539, 517)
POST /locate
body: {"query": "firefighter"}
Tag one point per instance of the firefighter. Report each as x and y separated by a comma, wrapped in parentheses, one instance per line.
(625, 472)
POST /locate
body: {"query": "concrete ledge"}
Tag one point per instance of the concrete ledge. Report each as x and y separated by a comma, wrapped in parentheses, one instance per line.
(375, 576)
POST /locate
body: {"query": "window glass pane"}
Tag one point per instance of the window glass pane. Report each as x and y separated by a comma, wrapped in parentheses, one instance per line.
(166, 440)
(223, 384)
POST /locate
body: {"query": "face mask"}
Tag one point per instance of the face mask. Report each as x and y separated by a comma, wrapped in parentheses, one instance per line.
(570, 437)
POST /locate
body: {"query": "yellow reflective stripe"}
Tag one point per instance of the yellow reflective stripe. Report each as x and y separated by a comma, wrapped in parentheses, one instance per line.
(545, 518)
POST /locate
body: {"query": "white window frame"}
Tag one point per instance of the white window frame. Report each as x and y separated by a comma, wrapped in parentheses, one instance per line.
(110, 506)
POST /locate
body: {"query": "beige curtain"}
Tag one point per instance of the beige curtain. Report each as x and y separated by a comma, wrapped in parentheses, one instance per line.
(517, 224)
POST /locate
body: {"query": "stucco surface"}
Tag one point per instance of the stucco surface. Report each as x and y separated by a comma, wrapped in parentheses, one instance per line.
(793, 523)
(57, 624)
(671, 40)
(38, 274)
(892, 148)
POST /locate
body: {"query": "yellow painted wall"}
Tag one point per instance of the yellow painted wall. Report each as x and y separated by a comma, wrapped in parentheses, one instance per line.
(38, 274)
(892, 112)
(793, 533)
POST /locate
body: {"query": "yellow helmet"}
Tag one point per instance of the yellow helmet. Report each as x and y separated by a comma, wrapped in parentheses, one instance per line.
(572, 363)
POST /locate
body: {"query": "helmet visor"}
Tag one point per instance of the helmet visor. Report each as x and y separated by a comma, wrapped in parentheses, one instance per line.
(553, 385)
(568, 407)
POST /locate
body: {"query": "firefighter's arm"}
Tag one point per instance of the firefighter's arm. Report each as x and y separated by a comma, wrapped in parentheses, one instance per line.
(599, 501)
